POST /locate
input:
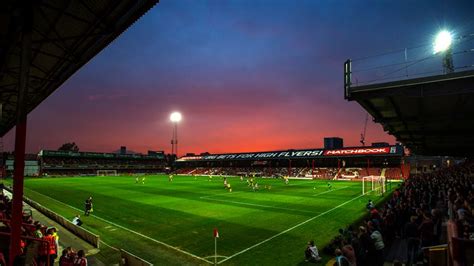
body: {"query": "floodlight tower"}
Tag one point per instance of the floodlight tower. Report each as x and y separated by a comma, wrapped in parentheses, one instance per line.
(175, 117)
(442, 45)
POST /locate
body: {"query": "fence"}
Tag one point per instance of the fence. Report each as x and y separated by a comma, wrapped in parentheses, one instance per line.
(411, 62)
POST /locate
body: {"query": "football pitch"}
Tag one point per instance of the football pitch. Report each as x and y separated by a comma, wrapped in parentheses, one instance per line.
(171, 223)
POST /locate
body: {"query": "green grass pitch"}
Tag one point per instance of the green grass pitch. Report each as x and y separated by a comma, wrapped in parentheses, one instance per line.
(171, 223)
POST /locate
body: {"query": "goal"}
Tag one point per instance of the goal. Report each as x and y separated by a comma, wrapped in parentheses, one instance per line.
(373, 184)
(106, 172)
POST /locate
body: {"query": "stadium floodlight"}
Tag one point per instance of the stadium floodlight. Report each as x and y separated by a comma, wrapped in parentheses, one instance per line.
(442, 41)
(175, 117)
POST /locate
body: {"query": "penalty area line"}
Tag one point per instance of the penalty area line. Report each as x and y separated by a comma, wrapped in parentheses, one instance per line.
(263, 206)
(289, 229)
(131, 231)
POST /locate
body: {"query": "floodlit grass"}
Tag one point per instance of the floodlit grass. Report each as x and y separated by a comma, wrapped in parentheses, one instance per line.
(172, 222)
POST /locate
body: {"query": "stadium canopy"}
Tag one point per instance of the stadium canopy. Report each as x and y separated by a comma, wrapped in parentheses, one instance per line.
(58, 37)
(431, 115)
(43, 43)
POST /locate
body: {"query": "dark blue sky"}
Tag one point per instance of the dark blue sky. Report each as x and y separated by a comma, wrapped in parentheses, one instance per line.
(247, 75)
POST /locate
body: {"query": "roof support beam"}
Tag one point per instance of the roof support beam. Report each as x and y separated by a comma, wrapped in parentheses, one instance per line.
(20, 135)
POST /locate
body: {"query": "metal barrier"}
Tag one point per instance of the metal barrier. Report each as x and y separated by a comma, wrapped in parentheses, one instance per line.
(409, 63)
(32, 251)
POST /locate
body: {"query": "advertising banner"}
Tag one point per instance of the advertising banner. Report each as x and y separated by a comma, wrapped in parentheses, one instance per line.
(299, 154)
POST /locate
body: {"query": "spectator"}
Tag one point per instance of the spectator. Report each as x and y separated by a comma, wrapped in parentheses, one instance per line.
(379, 245)
(426, 229)
(67, 257)
(438, 223)
(340, 259)
(80, 259)
(54, 233)
(311, 252)
(355, 243)
(48, 248)
(367, 248)
(64, 260)
(413, 242)
(349, 253)
(38, 233)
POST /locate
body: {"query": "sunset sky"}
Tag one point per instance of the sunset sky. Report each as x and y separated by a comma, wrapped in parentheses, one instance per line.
(246, 75)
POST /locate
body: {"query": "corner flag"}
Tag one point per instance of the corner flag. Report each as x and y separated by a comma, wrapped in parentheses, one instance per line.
(216, 233)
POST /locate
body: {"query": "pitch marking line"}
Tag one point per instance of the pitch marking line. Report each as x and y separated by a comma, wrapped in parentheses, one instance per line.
(218, 256)
(130, 230)
(263, 206)
(220, 194)
(289, 229)
(321, 193)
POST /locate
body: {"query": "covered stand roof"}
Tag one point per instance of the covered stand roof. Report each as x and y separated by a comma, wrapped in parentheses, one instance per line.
(65, 35)
(430, 115)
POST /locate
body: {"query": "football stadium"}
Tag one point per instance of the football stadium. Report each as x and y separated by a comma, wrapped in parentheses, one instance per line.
(247, 186)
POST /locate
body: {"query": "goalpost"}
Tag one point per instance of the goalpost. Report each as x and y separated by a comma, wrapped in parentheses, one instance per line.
(373, 184)
(106, 172)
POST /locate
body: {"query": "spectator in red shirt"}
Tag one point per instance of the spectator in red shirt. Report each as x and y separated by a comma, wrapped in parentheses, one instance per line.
(48, 248)
(67, 258)
(80, 259)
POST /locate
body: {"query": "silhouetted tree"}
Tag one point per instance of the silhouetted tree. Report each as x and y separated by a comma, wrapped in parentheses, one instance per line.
(69, 146)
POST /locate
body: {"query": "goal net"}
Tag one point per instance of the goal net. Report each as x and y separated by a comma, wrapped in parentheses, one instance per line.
(106, 172)
(373, 184)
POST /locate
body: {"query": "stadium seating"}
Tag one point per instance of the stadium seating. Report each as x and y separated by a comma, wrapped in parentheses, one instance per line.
(423, 203)
(374, 171)
(301, 172)
(184, 171)
(199, 171)
(31, 244)
(393, 173)
(80, 166)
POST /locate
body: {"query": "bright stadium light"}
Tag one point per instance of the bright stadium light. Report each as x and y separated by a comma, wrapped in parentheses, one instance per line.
(442, 41)
(175, 117)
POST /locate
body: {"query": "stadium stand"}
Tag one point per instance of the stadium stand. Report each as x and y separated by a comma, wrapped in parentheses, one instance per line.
(347, 163)
(32, 167)
(393, 173)
(296, 172)
(184, 171)
(88, 163)
(38, 240)
(413, 222)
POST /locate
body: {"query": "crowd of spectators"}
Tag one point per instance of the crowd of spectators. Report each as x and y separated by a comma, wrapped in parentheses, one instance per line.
(39, 243)
(414, 214)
